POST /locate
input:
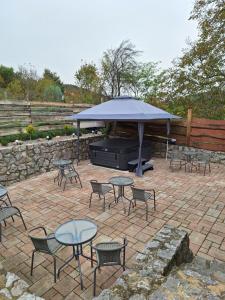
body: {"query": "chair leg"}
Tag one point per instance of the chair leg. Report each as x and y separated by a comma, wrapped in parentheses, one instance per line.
(209, 168)
(146, 204)
(79, 180)
(55, 272)
(9, 199)
(114, 192)
(65, 184)
(94, 290)
(204, 169)
(91, 256)
(129, 208)
(32, 263)
(104, 203)
(90, 199)
(0, 231)
(22, 219)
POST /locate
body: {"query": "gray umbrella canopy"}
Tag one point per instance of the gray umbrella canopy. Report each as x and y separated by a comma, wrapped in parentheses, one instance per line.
(125, 109)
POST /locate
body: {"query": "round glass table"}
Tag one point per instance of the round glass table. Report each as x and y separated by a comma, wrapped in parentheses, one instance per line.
(75, 233)
(121, 182)
(4, 193)
(61, 164)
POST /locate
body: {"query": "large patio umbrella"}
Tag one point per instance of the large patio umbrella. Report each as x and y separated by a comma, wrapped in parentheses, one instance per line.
(125, 109)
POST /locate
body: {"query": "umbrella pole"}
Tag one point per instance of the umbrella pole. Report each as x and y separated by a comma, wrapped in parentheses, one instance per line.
(78, 142)
(168, 133)
(139, 170)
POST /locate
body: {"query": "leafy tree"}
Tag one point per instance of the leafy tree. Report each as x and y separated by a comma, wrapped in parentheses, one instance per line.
(15, 89)
(89, 82)
(41, 86)
(53, 93)
(6, 76)
(28, 78)
(116, 65)
(53, 77)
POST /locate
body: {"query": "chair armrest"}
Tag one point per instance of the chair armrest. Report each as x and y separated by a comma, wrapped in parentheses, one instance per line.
(39, 227)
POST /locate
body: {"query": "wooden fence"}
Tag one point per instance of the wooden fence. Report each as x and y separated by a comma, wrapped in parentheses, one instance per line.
(16, 115)
(194, 132)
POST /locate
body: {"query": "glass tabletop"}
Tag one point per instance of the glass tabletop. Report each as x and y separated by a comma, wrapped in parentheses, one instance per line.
(76, 232)
(3, 191)
(62, 162)
(189, 152)
(121, 180)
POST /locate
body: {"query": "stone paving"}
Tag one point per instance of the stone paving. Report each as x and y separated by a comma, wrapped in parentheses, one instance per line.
(189, 201)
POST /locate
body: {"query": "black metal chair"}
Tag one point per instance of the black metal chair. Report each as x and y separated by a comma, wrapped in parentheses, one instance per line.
(46, 244)
(108, 254)
(70, 173)
(177, 159)
(101, 189)
(202, 160)
(7, 212)
(142, 195)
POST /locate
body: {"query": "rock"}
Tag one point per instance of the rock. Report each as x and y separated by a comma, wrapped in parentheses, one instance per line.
(5, 292)
(27, 296)
(19, 287)
(10, 279)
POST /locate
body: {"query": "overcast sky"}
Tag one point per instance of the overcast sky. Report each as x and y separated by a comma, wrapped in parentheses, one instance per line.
(59, 34)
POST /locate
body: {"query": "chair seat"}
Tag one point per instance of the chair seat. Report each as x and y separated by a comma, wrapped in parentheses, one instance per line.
(108, 246)
(71, 174)
(53, 244)
(6, 212)
(106, 189)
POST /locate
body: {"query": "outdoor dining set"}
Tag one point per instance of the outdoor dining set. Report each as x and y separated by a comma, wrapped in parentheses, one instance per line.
(78, 233)
(190, 160)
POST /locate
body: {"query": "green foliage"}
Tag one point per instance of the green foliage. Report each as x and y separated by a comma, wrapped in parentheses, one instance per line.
(89, 82)
(15, 89)
(68, 129)
(6, 76)
(30, 129)
(52, 76)
(4, 140)
(53, 93)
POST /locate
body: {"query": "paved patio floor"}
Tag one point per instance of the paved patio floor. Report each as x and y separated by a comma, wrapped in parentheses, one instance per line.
(191, 201)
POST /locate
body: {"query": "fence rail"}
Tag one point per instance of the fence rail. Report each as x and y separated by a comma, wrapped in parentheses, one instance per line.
(195, 132)
(16, 115)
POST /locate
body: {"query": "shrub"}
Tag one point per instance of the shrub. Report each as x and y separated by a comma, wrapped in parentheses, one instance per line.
(30, 130)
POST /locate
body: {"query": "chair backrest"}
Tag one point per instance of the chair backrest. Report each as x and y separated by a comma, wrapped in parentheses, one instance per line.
(40, 244)
(204, 157)
(96, 186)
(176, 154)
(109, 253)
(138, 194)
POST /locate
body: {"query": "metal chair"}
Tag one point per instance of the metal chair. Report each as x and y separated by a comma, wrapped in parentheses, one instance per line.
(108, 254)
(142, 195)
(101, 189)
(46, 244)
(7, 212)
(177, 159)
(201, 160)
(69, 174)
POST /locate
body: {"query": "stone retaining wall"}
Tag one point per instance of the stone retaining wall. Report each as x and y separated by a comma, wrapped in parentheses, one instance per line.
(169, 247)
(160, 150)
(19, 162)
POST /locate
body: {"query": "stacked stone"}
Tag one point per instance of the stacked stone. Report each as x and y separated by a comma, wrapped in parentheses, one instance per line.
(19, 162)
(168, 248)
(12, 287)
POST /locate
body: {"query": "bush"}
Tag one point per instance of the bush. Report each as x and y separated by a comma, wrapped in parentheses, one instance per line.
(30, 130)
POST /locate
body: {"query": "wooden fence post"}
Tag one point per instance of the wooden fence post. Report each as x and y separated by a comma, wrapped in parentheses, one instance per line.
(188, 132)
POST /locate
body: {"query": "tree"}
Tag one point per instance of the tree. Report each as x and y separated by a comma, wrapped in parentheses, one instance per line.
(89, 82)
(41, 86)
(53, 93)
(15, 89)
(54, 77)
(28, 78)
(6, 76)
(116, 65)
(143, 80)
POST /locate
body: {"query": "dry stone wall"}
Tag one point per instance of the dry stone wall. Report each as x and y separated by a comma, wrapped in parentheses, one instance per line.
(19, 162)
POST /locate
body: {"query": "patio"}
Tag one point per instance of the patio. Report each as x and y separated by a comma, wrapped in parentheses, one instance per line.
(188, 200)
